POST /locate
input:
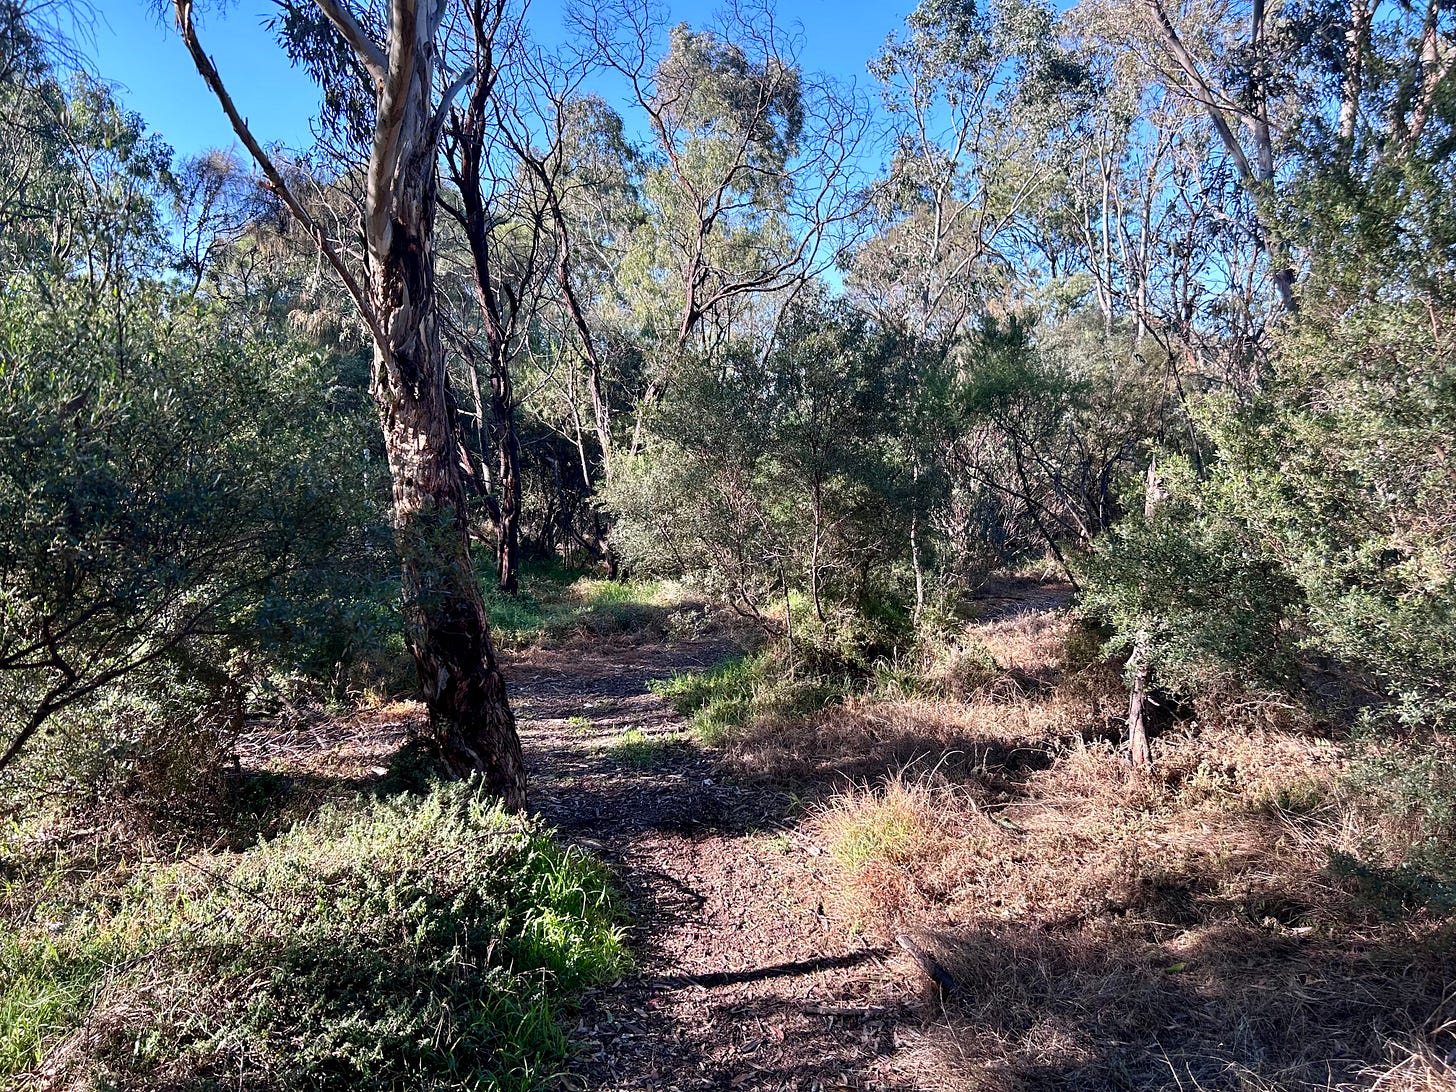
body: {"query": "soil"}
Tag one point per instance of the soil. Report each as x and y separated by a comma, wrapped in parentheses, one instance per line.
(743, 981)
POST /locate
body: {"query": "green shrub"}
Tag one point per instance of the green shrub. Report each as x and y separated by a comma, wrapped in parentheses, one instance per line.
(1193, 579)
(1413, 782)
(407, 942)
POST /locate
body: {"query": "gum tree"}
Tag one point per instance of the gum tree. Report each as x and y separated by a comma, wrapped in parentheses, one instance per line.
(446, 627)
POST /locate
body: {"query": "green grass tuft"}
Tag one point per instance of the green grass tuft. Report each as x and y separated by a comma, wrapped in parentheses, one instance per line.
(555, 603)
(637, 749)
(717, 700)
(724, 699)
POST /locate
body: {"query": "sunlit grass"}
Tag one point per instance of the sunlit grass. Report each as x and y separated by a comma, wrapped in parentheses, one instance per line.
(402, 942)
(637, 749)
(555, 603)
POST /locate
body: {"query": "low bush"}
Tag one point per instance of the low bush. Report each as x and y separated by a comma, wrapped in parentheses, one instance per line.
(424, 942)
(1410, 787)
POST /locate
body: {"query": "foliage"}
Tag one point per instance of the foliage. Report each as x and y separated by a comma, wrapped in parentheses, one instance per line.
(191, 507)
(183, 494)
(1335, 476)
(1414, 783)
(428, 942)
(776, 474)
(1195, 583)
(1053, 423)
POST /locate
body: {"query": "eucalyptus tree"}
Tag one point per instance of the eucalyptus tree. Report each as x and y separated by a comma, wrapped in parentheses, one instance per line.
(501, 214)
(446, 627)
(961, 88)
(752, 179)
(589, 175)
(1234, 69)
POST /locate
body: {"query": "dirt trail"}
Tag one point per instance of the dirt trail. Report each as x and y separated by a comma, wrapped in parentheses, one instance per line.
(743, 981)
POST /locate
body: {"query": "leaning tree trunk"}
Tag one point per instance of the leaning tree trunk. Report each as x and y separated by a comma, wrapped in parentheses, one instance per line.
(445, 620)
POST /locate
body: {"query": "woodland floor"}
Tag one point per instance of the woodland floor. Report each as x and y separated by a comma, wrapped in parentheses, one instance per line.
(1119, 932)
(743, 980)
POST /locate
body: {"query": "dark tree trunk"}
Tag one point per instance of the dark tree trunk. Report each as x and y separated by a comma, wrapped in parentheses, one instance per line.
(508, 448)
(445, 621)
(500, 304)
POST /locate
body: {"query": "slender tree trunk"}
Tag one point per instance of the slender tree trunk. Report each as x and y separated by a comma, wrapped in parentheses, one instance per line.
(1352, 78)
(508, 448)
(1137, 729)
(814, 551)
(1140, 662)
(915, 560)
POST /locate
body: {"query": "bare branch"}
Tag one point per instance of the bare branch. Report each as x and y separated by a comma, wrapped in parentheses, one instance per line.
(208, 71)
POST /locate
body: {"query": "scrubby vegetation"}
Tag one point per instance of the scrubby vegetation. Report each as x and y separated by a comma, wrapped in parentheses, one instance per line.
(1057, 427)
(1260, 911)
(403, 941)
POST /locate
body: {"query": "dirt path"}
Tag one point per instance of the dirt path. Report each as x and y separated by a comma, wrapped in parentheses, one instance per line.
(743, 981)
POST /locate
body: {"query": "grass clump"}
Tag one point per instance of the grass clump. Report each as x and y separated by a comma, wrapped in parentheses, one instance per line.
(723, 700)
(556, 604)
(403, 942)
(891, 826)
(717, 700)
(637, 749)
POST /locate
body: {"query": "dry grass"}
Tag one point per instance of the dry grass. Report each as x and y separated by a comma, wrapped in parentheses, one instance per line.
(1203, 926)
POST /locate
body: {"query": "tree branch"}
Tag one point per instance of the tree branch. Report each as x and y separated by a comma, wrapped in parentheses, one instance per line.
(369, 53)
(208, 71)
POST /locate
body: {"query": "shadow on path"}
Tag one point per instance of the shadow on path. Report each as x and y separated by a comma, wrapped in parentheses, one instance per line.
(743, 982)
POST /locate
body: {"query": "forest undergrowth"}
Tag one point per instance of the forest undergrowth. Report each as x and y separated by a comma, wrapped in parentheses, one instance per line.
(1266, 907)
(316, 910)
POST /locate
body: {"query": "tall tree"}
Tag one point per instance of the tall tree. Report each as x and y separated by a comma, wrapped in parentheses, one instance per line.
(446, 626)
(752, 182)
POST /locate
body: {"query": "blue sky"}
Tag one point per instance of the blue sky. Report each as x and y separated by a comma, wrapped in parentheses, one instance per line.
(143, 55)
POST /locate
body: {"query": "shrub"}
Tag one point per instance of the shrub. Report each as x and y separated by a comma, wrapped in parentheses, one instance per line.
(1412, 784)
(420, 942)
(1196, 582)
(205, 515)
